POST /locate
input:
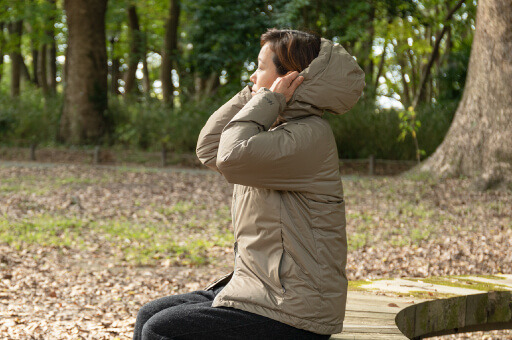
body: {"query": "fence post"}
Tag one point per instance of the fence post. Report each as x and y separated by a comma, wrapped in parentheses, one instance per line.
(96, 157)
(33, 151)
(163, 158)
(371, 165)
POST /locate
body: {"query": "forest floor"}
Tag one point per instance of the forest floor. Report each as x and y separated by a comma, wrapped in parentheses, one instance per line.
(82, 248)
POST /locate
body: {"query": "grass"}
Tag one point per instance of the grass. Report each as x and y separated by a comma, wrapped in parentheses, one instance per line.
(34, 185)
(181, 207)
(357, 240)
(139, 244)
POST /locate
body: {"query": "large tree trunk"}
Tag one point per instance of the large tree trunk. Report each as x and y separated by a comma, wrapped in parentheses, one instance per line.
(169, 51)
(15, 31)
(85, 95)
(478, 144)
(136, 48)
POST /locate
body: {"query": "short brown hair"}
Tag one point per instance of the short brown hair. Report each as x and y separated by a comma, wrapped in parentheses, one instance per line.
(294, 50)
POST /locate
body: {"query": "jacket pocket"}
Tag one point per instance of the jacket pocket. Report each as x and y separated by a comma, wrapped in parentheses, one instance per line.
(279, 271)
(225, 278)
(293, 274)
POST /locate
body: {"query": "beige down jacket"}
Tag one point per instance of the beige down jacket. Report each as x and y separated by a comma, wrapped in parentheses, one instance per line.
(288, 210)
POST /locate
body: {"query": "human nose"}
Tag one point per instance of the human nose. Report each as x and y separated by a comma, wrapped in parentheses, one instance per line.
(253, 78)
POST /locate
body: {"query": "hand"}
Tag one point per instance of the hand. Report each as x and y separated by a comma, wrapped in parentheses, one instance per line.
(287, 84)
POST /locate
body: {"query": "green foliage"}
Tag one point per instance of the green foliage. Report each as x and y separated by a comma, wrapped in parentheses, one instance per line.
(30, 119)
(225, 41)
(222, 38)
(410, 125)
(368, 130)
(152, 124)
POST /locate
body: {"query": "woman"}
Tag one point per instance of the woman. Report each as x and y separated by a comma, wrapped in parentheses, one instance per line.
(288, 210)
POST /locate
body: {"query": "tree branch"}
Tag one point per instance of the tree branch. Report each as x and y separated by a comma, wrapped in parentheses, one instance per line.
(433, 56)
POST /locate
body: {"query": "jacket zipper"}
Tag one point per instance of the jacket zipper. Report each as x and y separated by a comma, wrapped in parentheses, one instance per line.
(235, 246)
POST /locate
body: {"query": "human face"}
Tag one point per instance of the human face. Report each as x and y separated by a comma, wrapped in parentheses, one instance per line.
(266, 73)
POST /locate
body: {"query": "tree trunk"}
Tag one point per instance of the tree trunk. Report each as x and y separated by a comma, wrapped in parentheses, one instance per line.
(85, 95)
(114, 69)
(24, 69)
(478, 144)
(2, 44)
(169, 51)
(35, 62)
(206, 86)
(52, 55)
(136, 47)
(15, 31)
(41, 69)
(146, 82)
(367, 46)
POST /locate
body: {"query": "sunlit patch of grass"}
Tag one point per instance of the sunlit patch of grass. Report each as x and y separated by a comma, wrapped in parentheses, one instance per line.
(139, 244)
(357, 240)
(420, 234)
(43, 231)
(224, 238)
(25, 184)
(181, 207)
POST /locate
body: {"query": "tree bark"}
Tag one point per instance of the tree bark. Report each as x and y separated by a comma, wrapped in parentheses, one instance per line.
(136, 48)
(169, 51)
(85, 96)
(15, 31)
(478, 144)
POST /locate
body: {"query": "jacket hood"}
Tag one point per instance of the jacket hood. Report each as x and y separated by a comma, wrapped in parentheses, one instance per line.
(333, 81)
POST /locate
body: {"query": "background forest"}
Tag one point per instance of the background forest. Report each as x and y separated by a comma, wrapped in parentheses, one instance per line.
(163, 66)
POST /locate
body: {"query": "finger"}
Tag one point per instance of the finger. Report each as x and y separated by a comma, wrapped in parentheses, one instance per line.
(292, 75)
(296, 82)
(288, 79)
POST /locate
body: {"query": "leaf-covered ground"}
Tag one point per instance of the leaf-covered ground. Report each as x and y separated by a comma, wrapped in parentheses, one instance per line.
(83, 248)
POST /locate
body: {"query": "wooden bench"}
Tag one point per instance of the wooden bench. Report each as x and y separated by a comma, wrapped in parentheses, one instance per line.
(470, 313)
(373, 317)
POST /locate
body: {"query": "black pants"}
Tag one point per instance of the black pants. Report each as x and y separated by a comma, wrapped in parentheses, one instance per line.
(191, 316)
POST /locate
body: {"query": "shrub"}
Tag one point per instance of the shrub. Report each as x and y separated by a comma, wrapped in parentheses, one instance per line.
(368, 130)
